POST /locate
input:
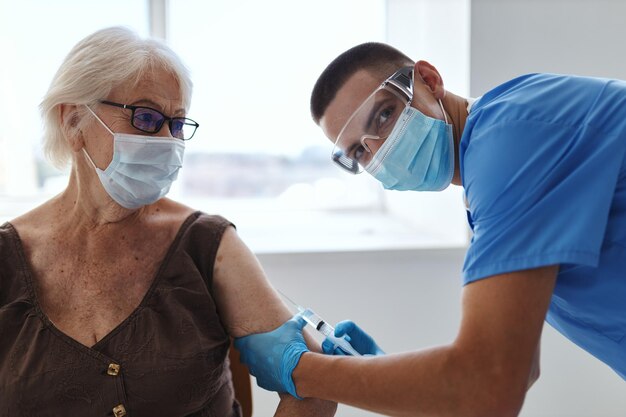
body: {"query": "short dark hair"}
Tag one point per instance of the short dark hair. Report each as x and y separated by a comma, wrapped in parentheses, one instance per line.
(377, 57)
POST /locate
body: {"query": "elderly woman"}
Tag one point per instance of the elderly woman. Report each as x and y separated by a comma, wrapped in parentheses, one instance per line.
(113, 299)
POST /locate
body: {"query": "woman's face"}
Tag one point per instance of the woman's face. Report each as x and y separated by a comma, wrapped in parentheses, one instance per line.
(158, 90)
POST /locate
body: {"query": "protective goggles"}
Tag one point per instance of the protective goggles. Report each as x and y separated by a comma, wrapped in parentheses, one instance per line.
(374, 119)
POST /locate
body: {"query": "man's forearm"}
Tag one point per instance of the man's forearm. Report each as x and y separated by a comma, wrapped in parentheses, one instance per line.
(309, 407)
(434, 382)
(485, 372)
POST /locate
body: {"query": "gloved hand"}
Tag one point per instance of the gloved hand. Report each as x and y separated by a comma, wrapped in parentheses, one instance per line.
(271, 357)
(360, 341)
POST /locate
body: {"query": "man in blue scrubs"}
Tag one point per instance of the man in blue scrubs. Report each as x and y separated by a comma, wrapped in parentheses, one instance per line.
(542, 161)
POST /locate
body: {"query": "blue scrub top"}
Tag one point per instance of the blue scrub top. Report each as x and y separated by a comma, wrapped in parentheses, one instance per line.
(542, 161)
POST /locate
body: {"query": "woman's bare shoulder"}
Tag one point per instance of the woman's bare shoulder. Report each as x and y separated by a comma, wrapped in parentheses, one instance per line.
(37, 219)
(164, 213)
(170, 210)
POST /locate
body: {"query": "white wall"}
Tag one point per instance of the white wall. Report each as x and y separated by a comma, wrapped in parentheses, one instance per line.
(513, 37)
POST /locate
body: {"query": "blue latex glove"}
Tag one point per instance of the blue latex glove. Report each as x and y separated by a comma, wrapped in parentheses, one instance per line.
(360, 341)
(271, 357)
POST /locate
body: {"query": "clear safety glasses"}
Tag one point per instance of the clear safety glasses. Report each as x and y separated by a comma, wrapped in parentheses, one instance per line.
(374, 119)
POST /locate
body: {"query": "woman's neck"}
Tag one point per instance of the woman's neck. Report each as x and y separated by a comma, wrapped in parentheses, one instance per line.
(86, 204)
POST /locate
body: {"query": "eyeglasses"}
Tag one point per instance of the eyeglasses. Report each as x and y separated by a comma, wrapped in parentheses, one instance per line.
(150, 120)
(374, 119)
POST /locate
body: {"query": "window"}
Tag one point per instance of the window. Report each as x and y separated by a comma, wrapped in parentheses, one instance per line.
(257, 158)
(254, 65)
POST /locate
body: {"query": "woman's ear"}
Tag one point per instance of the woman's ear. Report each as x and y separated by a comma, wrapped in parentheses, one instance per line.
(70, 122)
(428, 75)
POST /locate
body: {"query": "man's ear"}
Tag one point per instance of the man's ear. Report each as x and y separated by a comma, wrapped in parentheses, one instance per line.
(70, 120)
(427, 74)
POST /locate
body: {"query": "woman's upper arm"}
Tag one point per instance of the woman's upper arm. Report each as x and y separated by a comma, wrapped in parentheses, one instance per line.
(247, 304)
(246, 301)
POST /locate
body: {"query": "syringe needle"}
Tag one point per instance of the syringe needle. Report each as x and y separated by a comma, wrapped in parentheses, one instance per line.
(297, 306)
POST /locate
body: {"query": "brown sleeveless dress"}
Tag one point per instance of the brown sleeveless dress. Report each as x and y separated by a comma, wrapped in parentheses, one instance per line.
(168, 358)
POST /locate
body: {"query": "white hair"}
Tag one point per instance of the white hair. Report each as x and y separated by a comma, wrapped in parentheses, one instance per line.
(100, 62)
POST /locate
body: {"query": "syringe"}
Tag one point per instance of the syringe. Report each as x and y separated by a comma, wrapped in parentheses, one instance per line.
(324, 328)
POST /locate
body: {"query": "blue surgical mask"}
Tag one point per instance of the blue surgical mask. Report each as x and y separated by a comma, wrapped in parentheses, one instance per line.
(142, 169)
(418, 155)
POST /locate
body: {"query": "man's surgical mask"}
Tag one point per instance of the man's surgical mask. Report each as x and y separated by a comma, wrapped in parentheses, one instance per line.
(142, 169)
(418, 155)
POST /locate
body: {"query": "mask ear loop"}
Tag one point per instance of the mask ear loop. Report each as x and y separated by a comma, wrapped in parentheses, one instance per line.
(100, 120)
(105, 126)
(89, 158)
(445, 116)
